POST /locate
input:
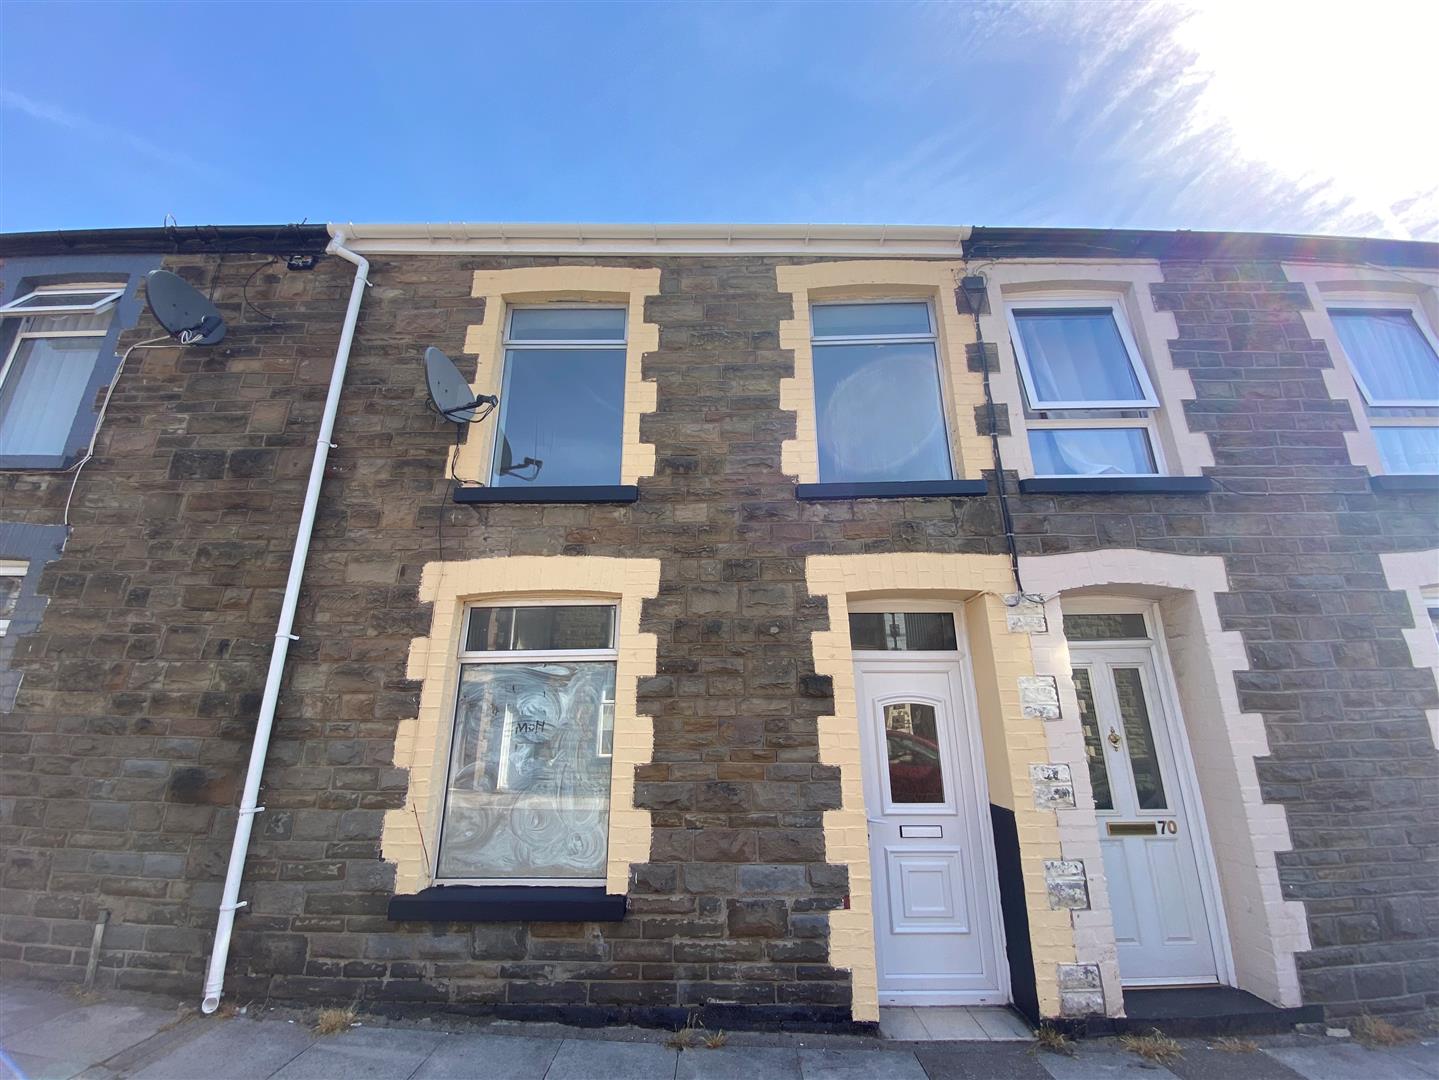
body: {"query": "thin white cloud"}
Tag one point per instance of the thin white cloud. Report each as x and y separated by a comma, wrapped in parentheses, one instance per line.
(104, 133)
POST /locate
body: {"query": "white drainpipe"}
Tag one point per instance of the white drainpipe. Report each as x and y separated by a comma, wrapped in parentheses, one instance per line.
(230, 900)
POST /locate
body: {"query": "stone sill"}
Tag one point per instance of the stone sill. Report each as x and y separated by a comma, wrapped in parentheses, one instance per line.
(613, 493)
(1116, 485)
(900, 489)
(508, 903)
(1405, 482)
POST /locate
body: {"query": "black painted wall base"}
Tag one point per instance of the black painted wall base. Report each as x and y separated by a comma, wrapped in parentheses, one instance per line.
(508, 903)
(1023, 989)
(1193, 1011)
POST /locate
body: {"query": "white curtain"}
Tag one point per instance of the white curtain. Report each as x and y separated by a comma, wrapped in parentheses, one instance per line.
(1076, 356)
(1408, 449)
(1390, 355)
(43, 392)
(1090, 452)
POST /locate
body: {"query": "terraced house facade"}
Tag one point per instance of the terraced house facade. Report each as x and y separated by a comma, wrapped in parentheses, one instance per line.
(821, 619)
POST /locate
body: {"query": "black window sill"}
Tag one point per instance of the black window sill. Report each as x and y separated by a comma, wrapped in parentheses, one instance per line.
(508, 903)
(1405, 482)
(614, 493)
(901, 489)
(1116, 485)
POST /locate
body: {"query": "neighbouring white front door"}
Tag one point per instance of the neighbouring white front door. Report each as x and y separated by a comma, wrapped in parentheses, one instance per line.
(1146, 831)
(937, 937)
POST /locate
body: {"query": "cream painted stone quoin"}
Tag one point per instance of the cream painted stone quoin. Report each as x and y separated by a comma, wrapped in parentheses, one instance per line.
(615, 285)
(422, 744)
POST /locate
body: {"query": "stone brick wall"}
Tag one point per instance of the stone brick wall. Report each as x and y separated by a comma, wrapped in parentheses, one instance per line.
(124, 754)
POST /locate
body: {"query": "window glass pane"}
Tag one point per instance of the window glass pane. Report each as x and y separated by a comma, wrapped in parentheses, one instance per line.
(96, 321)
(9, 594)
(1090, 451)
(560, 417)
(587, 626)
(879, 413)
(869, 320)
(567, 324)
(897, 631)
(1107, 627)
(529, 792)
(1093, 743)
(1408, 449)
(1390, 355)
(1434, 620)
(911, 737)
(42, 300)
(1076, 354)
(1139, 738)
(43, 392)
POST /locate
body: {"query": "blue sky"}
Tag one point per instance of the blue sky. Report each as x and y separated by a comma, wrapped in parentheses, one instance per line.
(1312, 117)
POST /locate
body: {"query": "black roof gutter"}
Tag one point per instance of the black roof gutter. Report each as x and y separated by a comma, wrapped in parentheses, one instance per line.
(171, 239)
(1003, 243)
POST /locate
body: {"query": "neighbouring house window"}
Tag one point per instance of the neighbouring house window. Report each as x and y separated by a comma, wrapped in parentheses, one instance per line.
(1089, 404)
(50, 363)
(879, 405)
(12, 577)
(1394, 359)
(1431, 605)
(527, 799)
(562, 397)
(902, 631)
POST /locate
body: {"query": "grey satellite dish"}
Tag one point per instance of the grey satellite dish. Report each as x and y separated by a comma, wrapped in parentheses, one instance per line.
(449, 393)
(179, 308)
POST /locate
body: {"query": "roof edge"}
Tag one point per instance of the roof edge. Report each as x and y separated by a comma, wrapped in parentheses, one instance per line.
(172, 239)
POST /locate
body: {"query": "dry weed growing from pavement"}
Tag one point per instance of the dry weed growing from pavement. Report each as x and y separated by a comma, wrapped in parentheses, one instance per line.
(1376, 1031)
(1152, 1046)
(1053, 1040)
(334, 1021)
(1230, 1044)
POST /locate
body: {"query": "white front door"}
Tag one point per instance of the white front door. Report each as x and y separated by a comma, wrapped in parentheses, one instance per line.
(1146, 830)
(936, 929)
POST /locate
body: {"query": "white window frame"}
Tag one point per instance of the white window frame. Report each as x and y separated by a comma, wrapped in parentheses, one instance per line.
(1415, 311)
(109, 293)
(931, 338)
(1150, 405)
(540, 344)
(12, 569)
(517, 656)
(1126, 336)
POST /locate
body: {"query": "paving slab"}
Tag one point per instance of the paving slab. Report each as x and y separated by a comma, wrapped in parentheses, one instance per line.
(235, 1049)
(860, 1065)
(39, 1067)
(951, 1023)
(1202, 1060)
(1101, 1061)
(1334, 1060)
(1424, 1056)
(92, 1033)
(495, 1057)
(902, 1024)
(23, 1007)
(739, 1063)
(980, 1061)
(1000, 1023)
(582, 1060)
(364, 1054)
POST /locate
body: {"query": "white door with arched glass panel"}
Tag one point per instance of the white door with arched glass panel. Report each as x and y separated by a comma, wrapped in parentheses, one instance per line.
(1147, 830)
(937, 938)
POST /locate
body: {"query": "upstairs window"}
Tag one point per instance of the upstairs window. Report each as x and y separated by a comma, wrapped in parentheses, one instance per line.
(562, 398)
(1395, 362)
(1089, 403)
(879, 405)
(50, 364)
(12, 577)
(527, 801)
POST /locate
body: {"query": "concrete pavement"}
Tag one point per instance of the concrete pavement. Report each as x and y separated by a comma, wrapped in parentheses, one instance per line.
(47, 1034)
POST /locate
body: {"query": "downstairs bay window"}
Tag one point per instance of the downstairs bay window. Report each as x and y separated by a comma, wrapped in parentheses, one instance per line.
(527, 798)
(1089, 403)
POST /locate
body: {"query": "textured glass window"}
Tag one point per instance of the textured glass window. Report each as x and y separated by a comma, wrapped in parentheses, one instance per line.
(1076, 357)
(1139, 738)
(1093, 743)
(1108, 627)
(931, 631)
(911, 737)
(567, 324)
(870, 320)
(529, 784)
(1391, 357)
(1091, 451)
(1408, 449)
(527, 629)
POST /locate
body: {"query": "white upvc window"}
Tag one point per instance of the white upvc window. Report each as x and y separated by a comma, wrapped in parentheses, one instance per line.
(562, 398)
(1394, 358)
(1089, 402)
(1431, 605)
(63, 299)
(527, 795)
(12, 577)
(44, 376)
(879, 397)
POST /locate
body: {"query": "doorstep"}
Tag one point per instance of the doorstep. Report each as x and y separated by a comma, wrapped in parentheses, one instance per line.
(952, 1023)
(1197, 1011)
